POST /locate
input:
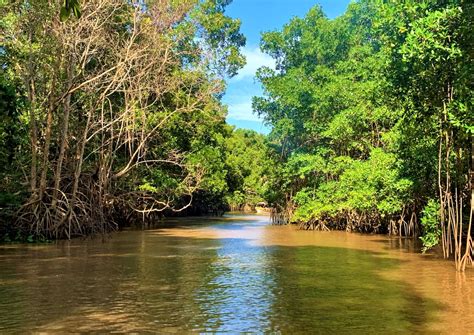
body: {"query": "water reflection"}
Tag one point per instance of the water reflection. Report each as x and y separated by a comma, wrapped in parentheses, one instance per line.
(239, 289)
(232, 275)
(339, 291)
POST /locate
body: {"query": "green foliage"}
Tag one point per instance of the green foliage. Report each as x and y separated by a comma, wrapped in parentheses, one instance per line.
(135, 88)
(248, 166)
(371, 186)
(360, 107)
(430, 221)
(70, 7)
(222, 34)
(358, 104)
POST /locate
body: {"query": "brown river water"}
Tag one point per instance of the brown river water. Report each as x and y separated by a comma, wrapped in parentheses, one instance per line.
(231, 275)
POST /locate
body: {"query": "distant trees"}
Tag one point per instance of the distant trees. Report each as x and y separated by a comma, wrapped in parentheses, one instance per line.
(249, 167)
(372, 117)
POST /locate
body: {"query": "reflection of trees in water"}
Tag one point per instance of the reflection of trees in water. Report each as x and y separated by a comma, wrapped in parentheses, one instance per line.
(336, 290)
(134, 282)
(403, 244)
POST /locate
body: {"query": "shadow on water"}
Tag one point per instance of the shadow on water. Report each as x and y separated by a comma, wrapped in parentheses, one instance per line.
(411, 245)
(144, 282)
(336, 290)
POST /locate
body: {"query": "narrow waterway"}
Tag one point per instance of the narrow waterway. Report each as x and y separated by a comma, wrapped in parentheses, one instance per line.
(232, 274)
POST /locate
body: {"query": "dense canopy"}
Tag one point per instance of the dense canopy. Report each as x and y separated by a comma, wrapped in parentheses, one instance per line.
(372, 120)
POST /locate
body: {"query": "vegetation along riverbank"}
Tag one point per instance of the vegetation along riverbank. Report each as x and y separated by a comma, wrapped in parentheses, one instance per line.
(111, 114)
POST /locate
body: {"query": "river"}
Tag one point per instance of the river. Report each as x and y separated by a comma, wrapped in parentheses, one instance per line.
(232, 274)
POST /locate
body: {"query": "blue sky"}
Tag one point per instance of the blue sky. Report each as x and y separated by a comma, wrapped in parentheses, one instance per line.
(258, 16)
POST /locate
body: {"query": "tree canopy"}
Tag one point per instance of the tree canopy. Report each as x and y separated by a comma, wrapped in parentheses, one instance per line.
(112, 110)
(372, 119)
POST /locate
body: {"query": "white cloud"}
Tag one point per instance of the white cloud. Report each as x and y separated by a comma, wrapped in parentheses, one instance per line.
(242, 87)
(255, 59)
(242, 111)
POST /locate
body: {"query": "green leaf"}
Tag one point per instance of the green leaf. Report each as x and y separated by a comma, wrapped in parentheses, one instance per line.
(64, 14)
(77, 12)
(74, 5)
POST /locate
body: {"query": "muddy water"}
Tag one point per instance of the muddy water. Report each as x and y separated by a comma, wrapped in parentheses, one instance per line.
(232, 274)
